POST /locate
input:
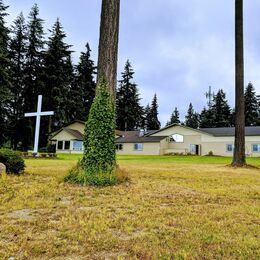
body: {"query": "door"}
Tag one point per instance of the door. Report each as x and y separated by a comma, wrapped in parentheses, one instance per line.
(195, 149)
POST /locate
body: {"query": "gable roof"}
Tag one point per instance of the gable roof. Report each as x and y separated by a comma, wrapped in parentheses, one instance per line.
(230, 131)
(134, 137)
(75, 133)
(172, 125)
(217, 131)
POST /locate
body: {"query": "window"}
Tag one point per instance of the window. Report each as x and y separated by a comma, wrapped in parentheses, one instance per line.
(60, 145)
(230, 148)
(67, 145)
(176, 138)
(256, 148)
(138, 147)
(77, 145)
(119, 147)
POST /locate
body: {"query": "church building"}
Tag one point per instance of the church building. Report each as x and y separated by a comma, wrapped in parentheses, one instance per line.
(175, 139)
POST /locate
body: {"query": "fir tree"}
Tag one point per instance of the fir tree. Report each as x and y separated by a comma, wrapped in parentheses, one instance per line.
(34, 59)
(251, 106)
(145, 114)
(17, 56)
(192, 118)
(83, 91)
(33, 71)
(58, 75)
(207, 118)
(153, 122)
(175, 117)
(129, 110)
(221, 109)
(5, 84)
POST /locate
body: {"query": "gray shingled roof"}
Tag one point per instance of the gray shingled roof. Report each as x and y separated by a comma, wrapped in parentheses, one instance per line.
(230, 131)
(133, 137)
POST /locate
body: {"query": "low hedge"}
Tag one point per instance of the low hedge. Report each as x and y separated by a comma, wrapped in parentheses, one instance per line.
(12, 160)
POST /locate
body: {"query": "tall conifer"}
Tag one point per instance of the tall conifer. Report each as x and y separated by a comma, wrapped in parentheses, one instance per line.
(175, 117)
(251, 106)
(221, 109)
(192, 118)
(83, 91)
(153, 122)
(17, 56)
(33, 71)
(58, 74)
(5, 84)
(129, 110)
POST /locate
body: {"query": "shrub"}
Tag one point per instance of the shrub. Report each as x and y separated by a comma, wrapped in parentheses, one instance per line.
(210, 153)
(12, 160)
(79, 175)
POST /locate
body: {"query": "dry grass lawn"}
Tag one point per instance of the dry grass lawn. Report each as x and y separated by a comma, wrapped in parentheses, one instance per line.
(174, 208)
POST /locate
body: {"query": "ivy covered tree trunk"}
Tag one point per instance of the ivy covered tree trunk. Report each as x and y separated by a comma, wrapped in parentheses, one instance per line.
(239, 152)
(108, 43)
(99, 141)
(98, 166)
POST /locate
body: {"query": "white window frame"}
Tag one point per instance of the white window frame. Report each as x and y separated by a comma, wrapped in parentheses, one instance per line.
(141, 148)
(172, 140)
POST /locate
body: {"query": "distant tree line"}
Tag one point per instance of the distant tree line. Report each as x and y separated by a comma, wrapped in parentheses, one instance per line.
(218, 112)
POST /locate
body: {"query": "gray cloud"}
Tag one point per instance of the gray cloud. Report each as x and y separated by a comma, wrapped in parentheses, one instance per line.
(177, 48)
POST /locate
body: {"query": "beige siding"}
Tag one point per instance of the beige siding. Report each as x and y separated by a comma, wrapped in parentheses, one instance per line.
(218, 145)
(148, 149)
(63, 136)
(183, 147)
(179, 130)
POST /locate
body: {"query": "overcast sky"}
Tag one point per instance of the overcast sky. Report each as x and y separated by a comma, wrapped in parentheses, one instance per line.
(177, 47)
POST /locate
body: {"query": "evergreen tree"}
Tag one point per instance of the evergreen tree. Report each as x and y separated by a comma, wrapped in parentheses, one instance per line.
(5, 94)
(58, 75)
(153, 122)
(33, 71)
(207, 118)
(34, 59)
(221, 110)
(129, 110)
(17, 56)
(251, 106)
(175, 117)
(145, 114)
(83, 91)
(192, 118)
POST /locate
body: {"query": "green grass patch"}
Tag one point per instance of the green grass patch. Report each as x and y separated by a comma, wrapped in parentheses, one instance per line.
(174, 208)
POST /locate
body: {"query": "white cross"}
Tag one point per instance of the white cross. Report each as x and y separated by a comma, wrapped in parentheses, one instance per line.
(38, 115)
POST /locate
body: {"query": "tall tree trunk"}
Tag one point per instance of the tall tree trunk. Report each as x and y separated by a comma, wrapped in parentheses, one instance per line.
(239, 152)
(108, 43)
